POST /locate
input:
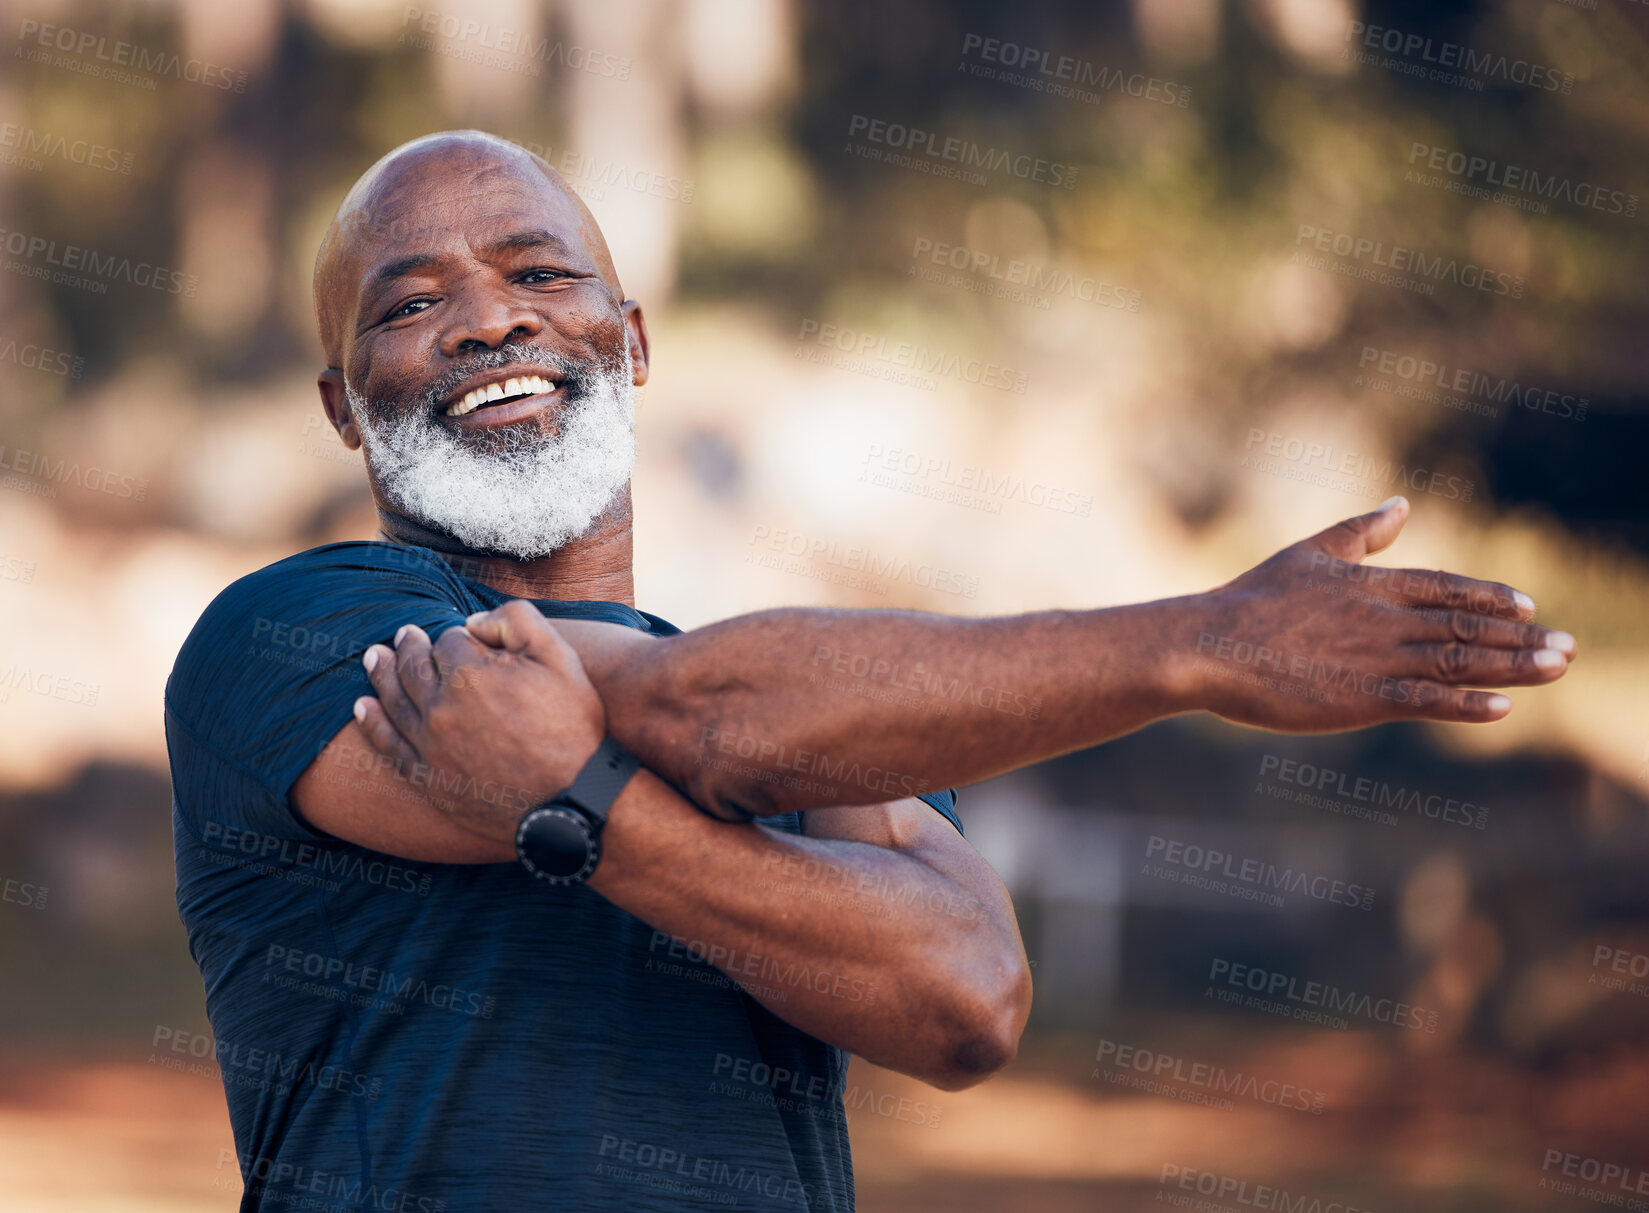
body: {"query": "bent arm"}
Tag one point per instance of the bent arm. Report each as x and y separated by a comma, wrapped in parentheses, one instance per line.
(882, 931)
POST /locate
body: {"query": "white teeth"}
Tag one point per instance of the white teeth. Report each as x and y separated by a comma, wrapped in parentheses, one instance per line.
(525, 385)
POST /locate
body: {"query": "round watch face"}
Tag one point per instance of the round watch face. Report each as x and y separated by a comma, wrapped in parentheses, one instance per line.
(557, 845)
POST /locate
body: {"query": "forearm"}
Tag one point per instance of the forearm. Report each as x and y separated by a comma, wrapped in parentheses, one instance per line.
(802, 708)
(869, 948)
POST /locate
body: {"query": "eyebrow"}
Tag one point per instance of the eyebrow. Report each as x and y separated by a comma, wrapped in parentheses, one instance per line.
(401, 267)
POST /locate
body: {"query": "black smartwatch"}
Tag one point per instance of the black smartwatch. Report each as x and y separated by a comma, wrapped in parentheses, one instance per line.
(559, 841)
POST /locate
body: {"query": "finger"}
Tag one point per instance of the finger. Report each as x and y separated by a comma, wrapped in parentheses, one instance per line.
(518, 627)
(1470, 628)
(381, 733)
(457, 656)
(419, 676)
(456, 644)
(380, 662)
(1434, 701)
(1428, 587)
(1478, 665)
(1365, 534)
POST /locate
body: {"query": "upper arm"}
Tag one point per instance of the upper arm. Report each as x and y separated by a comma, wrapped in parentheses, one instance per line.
(258, 706)
(353, 793)
(914, 828)
(898, 825)
(269, 672)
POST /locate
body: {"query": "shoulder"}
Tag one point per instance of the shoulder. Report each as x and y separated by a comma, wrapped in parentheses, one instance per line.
(355, 561)
(352, 568)
(316, 605)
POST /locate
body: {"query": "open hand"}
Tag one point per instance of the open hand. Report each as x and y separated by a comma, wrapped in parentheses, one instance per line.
(1314, 641)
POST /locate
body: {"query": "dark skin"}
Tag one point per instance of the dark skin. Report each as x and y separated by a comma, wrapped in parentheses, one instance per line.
(562, 294)
(891, 897)
(1308, 641)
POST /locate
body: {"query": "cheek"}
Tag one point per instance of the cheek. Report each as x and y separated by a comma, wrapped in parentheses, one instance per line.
(386, 367)
(359, 372)
(597, 326)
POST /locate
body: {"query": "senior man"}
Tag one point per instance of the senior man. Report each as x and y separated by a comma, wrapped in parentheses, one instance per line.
(503, 890)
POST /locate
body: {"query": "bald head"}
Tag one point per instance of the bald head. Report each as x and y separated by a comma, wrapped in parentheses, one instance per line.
(445, 188)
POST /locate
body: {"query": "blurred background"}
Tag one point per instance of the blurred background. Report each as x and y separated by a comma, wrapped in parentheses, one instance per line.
(960, 307)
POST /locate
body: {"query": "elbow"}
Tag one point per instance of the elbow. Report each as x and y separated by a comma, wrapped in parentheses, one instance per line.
(986, 1026)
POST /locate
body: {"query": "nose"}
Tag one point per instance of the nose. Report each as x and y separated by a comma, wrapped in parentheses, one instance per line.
(487, 317)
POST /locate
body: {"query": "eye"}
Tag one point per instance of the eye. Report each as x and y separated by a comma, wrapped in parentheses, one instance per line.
(404, 309)
(532, 276)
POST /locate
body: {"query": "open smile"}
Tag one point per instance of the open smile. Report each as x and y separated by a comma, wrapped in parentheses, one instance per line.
(503, 400)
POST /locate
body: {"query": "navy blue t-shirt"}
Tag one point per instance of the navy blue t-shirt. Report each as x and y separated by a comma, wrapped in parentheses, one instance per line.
(424, 1037)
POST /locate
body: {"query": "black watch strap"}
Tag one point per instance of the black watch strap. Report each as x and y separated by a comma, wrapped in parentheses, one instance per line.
(602, 779)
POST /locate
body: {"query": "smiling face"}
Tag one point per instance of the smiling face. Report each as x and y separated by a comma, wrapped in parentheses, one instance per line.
(479, 345)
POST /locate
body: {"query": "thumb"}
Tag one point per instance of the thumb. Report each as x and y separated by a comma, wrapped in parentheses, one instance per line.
(516, 627)
(1365, 534)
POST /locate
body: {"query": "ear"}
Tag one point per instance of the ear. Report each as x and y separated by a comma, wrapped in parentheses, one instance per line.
(636, 325)
(336, 403)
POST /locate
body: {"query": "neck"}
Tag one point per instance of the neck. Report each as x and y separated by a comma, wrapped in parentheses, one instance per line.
(594, 566)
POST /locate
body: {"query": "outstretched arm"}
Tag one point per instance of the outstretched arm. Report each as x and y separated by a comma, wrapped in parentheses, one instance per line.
(802, 708)
(778, 711)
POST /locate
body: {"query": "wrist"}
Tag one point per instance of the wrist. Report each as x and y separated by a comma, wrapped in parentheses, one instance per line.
(560, 841)
(1180, 673)
(558, 774)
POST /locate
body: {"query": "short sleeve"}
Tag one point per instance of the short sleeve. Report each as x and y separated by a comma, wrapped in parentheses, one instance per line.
(272, 669)
(945, 802)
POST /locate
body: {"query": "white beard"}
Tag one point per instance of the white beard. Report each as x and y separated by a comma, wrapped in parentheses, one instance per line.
(513, 490)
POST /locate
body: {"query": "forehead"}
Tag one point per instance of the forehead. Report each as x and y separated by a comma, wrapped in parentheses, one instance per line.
(453, 205)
